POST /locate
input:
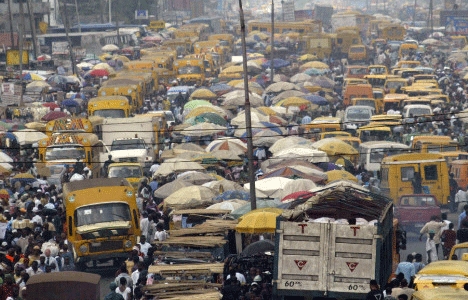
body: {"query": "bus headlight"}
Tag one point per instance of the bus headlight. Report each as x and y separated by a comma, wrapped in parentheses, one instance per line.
(84, 248)
(128, 244)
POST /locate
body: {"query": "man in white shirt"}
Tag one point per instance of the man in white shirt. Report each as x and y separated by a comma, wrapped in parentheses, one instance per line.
(461, 198)
(37, 218)
(144, 245)
(154, 168)
(34, 269)
(50, 260)
(136, 274)
(160, 234)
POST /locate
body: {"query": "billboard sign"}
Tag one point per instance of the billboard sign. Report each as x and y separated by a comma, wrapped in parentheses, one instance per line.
(141, 15)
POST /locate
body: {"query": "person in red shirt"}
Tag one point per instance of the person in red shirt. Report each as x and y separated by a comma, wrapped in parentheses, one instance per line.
(449, 238)
(9, 288)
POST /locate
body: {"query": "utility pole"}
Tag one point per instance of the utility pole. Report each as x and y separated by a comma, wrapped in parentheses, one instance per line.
(78, 16)
(272, 51)
(21, 44)
(33, 28)
(11, 25)
(66, 24)
(248, 120)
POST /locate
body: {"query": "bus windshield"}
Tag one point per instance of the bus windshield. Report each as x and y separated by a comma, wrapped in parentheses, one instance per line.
(377, 154)
(101, 213)
(65, 152)
(125, 172)
(110, 113)
(189, 70)
(128, 144)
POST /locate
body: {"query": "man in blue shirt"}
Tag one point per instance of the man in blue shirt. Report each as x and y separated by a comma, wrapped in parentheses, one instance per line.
(463, 215)
(407, 268)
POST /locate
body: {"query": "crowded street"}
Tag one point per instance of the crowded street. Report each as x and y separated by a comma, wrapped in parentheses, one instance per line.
(234, 150)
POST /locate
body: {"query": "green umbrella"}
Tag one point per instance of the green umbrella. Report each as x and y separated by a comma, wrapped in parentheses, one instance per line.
(196, 103)
(211, 118)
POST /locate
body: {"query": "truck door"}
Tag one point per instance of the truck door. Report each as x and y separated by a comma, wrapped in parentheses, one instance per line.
(351, 256)
(430, 173)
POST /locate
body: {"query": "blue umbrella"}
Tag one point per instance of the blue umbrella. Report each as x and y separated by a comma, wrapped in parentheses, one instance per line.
(228, 195)
(316, 99)
(314, 72)
(272, 126)
(70, 102)
(277, 63)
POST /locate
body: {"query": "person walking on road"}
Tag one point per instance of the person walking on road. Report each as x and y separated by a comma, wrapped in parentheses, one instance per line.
(407, 268)
(434, 225)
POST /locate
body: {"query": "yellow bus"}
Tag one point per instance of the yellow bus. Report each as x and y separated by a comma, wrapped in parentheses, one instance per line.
(133, 92)
(434, 144)
(442, 293)
(102, 219)
(110, 107)
(190, 71)
(392, 32)
(398, 171)
(66, 148)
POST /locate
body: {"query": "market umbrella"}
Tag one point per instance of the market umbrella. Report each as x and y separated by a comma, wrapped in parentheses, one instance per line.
(5, 158)
(53, 115)
(23, 177)
(255, 100)
(254, 87)
(195, 177)
(258, 222)
(323, 82)
(196, 103)
(267, 110)
(33, 77)
(221, 88)
(277, 63)
(300, 77)
(177, 165)
(314, 71)
(189, 197)
(298, 195)
(280, 78)
(28, 136)
(232, 154)
(56, 80)
(287, 94)
(98, 73)
(224, 185)
(202, 109)
(263, 204)
(340, 175)
(85, 65)
(227, 205)
(269, 187)
(51, 105)
(104, 66)
(288, 142)
(202, 129)
(202, 93)
(317, 100)
(171, 187)
(264, 141)
(110, 48)
(314, 64)
(297, 185)
(297, 172)
(430, 41)
(233, 69)
(36, 126)
(239, 120)
(280, 87)
(208, 118)
(307, 57)
(233, 194)
(334, 147)
(309, 154)
(70, 102)
(258, 247)
(295, 101)
(226, 144)
(37, 86)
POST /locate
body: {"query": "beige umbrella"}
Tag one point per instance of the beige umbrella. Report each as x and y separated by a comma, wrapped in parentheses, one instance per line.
(221, 186)
(171, 187)
(280, 87)
(287, 94)
(202, 129)
(314, 64)
(255, 117)
(300, 77)
(297, 185)
(288, 142)
(203, 94)
(309, 154)
(188, 147)
(237, 98)
(109, 48)
(195, 177)
(253, 87)
(280, 78)
(190, 197)
(269, 187)
(177, 165)
(227, 154)
(228, 205)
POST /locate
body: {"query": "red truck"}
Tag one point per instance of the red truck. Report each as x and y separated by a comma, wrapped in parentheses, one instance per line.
(413, 211)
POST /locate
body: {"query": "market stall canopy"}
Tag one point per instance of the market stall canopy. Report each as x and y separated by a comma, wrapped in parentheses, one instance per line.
(227, 205)
(171, 187)
(258, 222)
(195, 177)
(269, 187)
(28, 136)
(335, 175)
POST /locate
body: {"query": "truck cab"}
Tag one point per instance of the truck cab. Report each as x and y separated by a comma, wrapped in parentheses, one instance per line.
(132, 150)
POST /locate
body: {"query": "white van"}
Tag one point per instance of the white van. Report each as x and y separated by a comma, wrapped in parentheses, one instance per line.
(416, 110)
(356, 116)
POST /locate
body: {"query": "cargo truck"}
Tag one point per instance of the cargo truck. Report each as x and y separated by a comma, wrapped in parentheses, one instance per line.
(316, 256)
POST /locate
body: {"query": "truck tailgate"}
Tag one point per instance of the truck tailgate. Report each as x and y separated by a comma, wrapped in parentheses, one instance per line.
(326, 259)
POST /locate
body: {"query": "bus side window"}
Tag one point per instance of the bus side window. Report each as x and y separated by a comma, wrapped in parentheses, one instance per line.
(430, 172)
(407, 173)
